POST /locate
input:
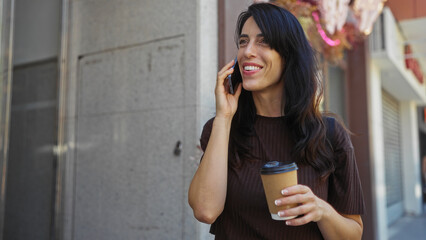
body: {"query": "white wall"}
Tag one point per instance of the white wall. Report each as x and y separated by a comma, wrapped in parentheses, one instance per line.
(411, 159)
(377, 153)
(207, 68)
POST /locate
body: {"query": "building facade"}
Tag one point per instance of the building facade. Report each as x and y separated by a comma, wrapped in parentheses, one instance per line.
(395, 94)
(101, 116)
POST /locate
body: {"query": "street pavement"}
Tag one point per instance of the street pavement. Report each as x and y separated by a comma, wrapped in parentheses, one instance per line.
(409, 228)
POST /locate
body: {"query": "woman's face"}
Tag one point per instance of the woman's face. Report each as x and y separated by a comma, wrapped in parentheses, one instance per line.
(261, 67)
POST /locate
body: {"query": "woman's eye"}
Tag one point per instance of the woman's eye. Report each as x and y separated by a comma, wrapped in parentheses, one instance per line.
(263, 41)
(242, 42)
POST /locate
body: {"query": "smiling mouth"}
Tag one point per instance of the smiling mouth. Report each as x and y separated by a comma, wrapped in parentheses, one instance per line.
(251, 68)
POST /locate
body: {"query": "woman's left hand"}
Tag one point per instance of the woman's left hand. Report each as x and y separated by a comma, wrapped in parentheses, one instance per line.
(310, 206)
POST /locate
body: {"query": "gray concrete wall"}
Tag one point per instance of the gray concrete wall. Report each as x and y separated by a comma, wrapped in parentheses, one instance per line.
(135, 87)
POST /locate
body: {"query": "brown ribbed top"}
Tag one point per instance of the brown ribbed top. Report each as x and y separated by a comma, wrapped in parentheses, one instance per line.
(246, 215)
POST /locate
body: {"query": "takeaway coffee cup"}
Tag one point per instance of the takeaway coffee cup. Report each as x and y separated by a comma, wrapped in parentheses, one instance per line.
(275, 177)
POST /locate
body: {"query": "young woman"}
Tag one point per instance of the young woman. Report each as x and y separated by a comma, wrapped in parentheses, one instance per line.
(274, 115)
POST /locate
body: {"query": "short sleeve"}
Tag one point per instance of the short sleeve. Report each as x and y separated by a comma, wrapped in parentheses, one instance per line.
(205, 134)
(345, 191)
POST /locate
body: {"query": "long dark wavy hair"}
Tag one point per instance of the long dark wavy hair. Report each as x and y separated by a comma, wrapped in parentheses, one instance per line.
(302, 91)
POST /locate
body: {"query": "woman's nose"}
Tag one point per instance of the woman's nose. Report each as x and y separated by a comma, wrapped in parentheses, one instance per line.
(250, 50)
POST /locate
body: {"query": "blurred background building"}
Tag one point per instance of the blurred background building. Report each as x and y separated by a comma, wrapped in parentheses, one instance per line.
(103, 102)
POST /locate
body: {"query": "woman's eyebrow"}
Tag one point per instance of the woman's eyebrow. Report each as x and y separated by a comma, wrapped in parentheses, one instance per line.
(246, 36)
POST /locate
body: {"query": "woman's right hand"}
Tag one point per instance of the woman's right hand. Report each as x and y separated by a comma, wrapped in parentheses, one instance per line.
(207, 192)
(226, 103)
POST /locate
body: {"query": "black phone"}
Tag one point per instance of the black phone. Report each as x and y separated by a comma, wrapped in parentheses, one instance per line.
(235, 78)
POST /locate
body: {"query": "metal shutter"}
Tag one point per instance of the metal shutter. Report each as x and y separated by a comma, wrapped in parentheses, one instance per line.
(391, 133)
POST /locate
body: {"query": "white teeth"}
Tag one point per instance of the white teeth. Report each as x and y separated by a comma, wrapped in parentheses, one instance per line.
(251, 68)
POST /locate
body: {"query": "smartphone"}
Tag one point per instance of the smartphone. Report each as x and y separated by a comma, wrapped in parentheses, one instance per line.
(234, 78)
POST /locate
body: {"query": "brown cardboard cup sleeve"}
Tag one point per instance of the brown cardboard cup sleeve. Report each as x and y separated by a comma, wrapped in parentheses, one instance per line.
(275, 177)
